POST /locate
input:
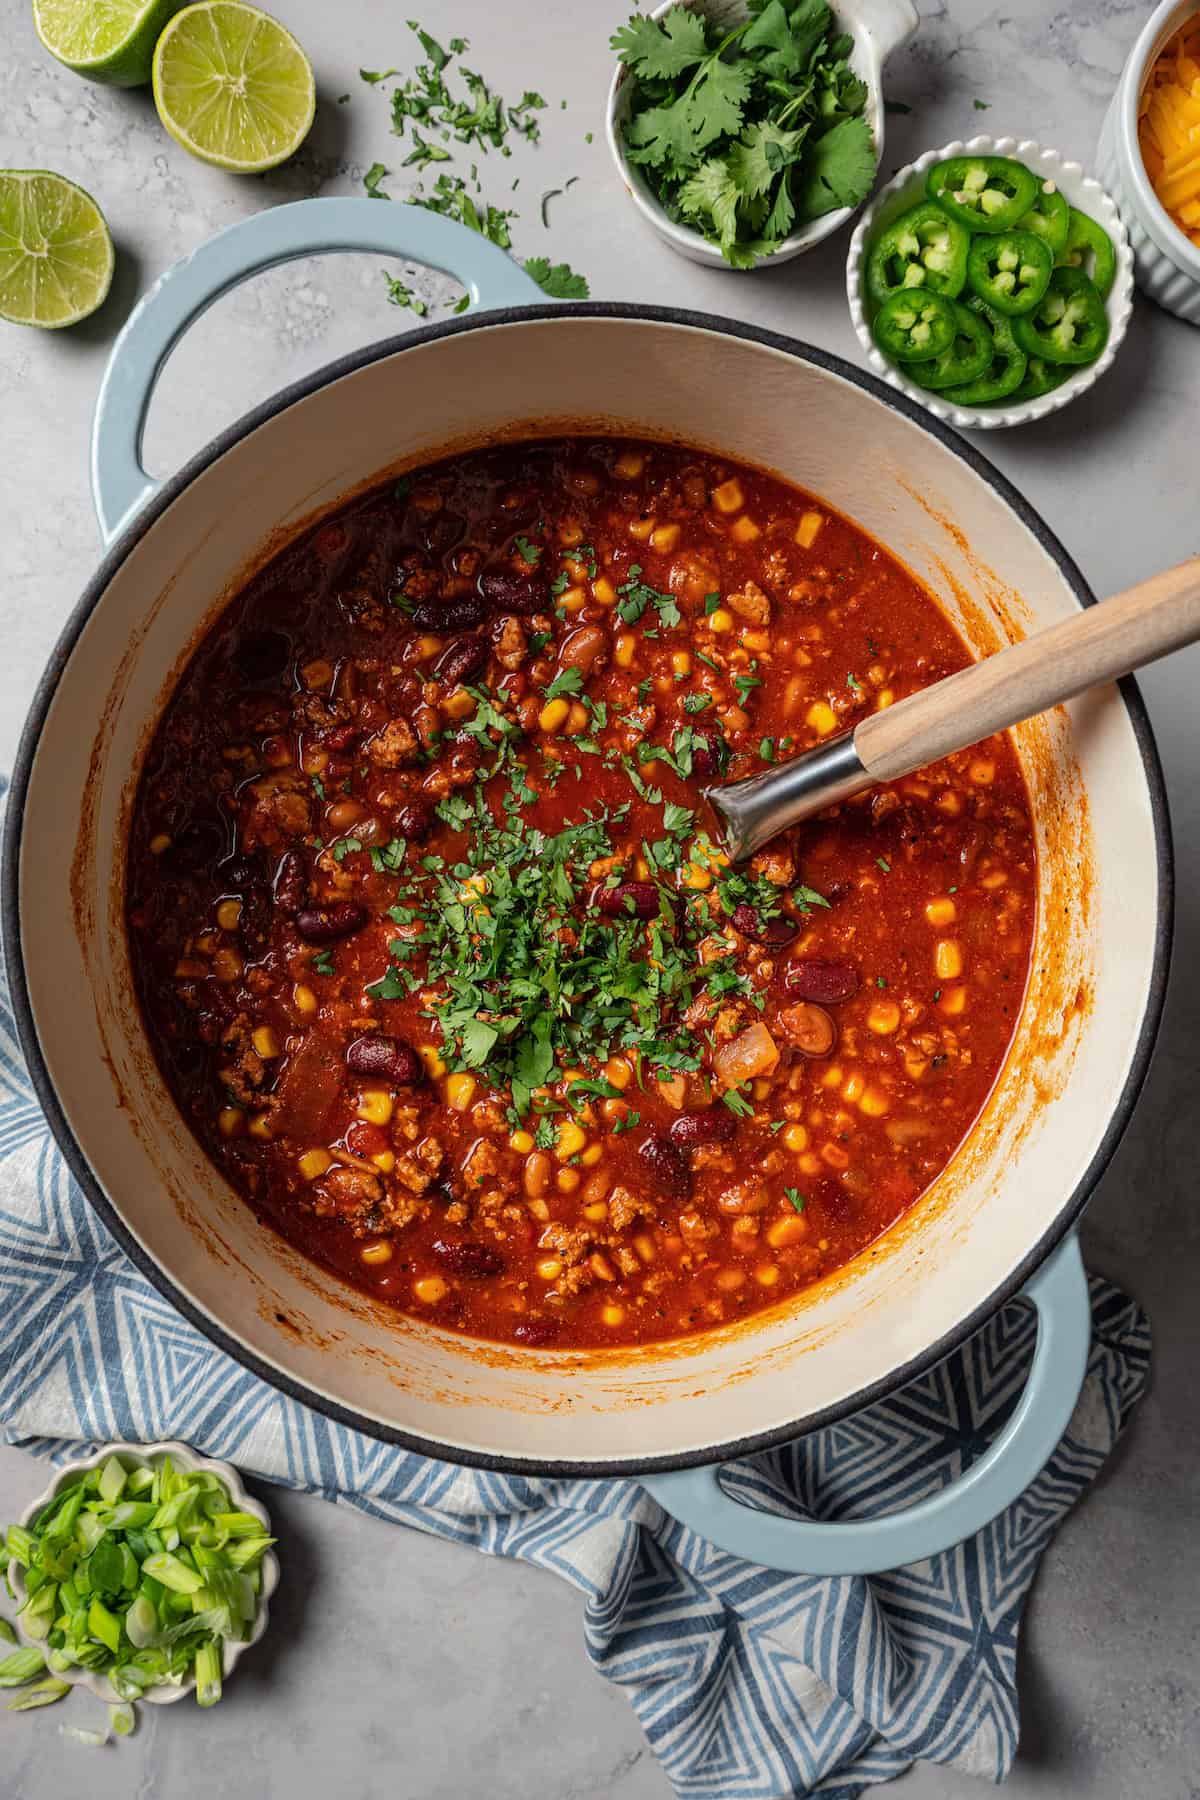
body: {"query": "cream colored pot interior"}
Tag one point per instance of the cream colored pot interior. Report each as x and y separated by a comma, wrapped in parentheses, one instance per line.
(1093, 958)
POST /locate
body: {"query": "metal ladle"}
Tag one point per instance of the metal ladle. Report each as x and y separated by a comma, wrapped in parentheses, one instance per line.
(1133, 628)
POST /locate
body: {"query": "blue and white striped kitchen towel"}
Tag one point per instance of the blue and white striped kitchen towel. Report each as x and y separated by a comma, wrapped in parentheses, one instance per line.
(750, 1685)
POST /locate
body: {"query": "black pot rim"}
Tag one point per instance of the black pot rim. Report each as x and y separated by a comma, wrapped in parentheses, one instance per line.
(1006, 1290)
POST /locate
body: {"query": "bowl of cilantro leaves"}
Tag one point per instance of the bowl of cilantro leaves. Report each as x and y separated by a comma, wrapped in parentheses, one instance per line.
(749, 132)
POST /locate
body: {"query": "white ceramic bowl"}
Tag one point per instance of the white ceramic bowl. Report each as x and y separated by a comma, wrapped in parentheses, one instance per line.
(148, 1455)
(906, 189)
(877, 26)
(1166, 263)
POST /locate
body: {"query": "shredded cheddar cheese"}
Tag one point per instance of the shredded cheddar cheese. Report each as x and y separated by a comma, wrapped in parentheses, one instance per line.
(1169, 129)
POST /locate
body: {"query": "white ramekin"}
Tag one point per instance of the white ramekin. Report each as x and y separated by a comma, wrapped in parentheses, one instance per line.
(1166, 263)
(906, 189)
(185, 1458)
(877, 26)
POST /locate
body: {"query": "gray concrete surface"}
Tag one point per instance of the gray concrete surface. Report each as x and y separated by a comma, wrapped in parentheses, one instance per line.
(398, 1665)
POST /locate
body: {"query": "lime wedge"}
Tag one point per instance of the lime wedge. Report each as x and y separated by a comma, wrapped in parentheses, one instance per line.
(106, 40)
(232, 86)
(56, 256)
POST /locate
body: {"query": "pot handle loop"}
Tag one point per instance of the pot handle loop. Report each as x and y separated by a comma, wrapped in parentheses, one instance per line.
(1059, 1291)
(120, 485)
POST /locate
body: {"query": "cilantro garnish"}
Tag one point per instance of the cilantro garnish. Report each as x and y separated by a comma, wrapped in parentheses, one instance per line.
(884, 864)
(711, 603)
(628, 1123)
(796, 1198)
(635, 597)
(853, 683)
(737, 1103)
(805, 898)
(318, 786)
(567, 681)
(528, 552)
(766, 749)
(558, 280)
(695, 703)
(745, 133)
(745, 684)
(374, 176)
(346, 848)
(323, 963)
(387, 858)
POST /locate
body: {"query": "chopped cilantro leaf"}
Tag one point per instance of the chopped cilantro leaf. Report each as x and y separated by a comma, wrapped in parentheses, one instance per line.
(696, 703)
(567, 681)
(711, 603)
(738, 1103)
(323, 963)
(528, 552)
(884, 864)
(318, 786)
(346, 848)
(795, 1198)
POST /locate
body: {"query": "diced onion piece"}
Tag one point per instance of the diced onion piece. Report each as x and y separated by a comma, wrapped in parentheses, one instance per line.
(753, 1052)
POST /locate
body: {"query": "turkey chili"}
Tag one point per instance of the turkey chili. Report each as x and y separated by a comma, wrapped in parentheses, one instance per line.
(437, 949)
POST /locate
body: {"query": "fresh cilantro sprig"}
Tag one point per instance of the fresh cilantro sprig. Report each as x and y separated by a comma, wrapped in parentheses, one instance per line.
(745, 134)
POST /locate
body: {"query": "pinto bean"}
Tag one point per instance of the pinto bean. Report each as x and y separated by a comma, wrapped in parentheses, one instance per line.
(291, 882)
(774, 933)
(474, 1262)
(633, 899)
(415, 818)
(810, 1028)
(462, 660)
(821, 979)
(582, 648)
(504, 592)
(458, 612)
(385, 1058)
(325, 924)
(708, 1125)
(667, 1164)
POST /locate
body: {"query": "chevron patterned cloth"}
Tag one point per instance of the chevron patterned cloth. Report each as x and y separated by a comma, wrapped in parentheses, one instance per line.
(750, 1685)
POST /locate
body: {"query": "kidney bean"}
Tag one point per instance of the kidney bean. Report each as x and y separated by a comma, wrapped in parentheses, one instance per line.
(774, 933)
(514, 593)
(536, 1331)
(386, 1058)
(708, 1125)
(633, 899)
(240, 872)
(291, 882)
(325, 924)
(459, 612)
(708, 755)
(667, 1164)
(582, 648)
(462, 660)
(816, 978)
(415, 818)
(474, 1262)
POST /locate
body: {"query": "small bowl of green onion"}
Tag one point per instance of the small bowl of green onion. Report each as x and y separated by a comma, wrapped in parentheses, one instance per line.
(992, 281)
(142, 1573)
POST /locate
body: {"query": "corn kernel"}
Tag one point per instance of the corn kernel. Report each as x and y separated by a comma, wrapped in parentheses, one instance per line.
(760, 1088)
(618, 1072)
(570, 535)
(721, 621)
(629, 465)
(430, 1289)
(603, 591)
(947, 959)
(428, 646)
(833, 1076)
(731, 1279)
(664, 537)
(317, 673)
(548, 1268)
(577, 718)
(458, 704)
(573, 601)
(728, 497)
(571, 1140)
(757, 642)
(260, 1126)
(792, 1230)
(853, 1086)
(592, 1155)
(553, 715)
(567, 1180)
(874, 1103)
(808, 1164)
(994, 878)
(375, 1106)
(884, 1018)
(884, 699)
(766, 1274)
(613, 1315)
(460, 1091)
(941, 911)
(982, 771)
(821, 718)
(596, 1211)
(696, 877)
(231, 1120)
(380, 1251)
(643, 1243)
(206, 942)
(795, 1138)
(228, 914)
(158, 843)
(521, 1142)
(681, 663)
(641, 529)
(227, 966)
(744, 530)
(313, 1164)
(624, 650)
(949, 801)
(265, 1042)
(303, 999)
(953, 1000)
(385, 1161)
(807, 529)
(601, 1268)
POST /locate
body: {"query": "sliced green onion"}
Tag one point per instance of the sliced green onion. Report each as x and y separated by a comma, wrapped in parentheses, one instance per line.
(43, 1693)
(93, 1740)
(104, 1626)
(208, 1675)
(21, 1667)
(37, 1614)
(140, 1479)
(20, 1544)
(173, 1573)
(112, 1480)
(141, 1623)
(7, 1634)
(122, 1719)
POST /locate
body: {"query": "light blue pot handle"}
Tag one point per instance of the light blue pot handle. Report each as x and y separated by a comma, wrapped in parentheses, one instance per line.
(306, 228)
(1059, 1291)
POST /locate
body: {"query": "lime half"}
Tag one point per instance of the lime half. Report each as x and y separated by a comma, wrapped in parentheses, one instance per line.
(106, 40)
(232, 86)
(56, 256)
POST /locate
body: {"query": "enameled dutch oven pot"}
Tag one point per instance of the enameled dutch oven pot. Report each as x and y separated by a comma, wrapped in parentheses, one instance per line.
(1000, 1218)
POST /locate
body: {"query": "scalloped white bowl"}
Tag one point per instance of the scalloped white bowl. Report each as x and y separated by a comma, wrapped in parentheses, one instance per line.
(166, 1693)
(1082, 192)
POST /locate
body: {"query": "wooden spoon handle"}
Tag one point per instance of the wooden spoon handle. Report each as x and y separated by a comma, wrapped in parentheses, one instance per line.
(1097, 645)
